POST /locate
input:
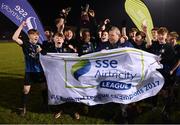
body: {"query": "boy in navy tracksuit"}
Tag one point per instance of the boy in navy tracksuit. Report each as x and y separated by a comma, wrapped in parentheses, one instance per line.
(33, 70)
(57, 46)
(87, 45)
(168, 59)
(103, 43)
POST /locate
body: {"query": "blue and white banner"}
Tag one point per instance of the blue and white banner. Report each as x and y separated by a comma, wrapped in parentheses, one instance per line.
(20, 10)
(122, 75)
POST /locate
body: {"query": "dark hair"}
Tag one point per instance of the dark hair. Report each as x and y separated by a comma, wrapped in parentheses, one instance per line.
(85, 30)
(155, 28)
(59, 34)
(133, 30)
(33, 31)
(162, 30)
(47, 28)
(104, 31)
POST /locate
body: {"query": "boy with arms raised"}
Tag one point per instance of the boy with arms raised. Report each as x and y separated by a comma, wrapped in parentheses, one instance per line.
(33, 70)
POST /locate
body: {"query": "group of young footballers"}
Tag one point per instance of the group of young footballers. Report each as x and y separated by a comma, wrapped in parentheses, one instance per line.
(91, 37)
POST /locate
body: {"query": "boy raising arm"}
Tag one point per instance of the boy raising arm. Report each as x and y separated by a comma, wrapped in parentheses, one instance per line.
(33, 70)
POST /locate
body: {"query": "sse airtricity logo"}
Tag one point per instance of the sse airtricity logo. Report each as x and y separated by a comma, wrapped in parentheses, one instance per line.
(80, 68)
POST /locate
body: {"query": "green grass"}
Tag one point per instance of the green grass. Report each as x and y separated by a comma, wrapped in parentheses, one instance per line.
(11, 81)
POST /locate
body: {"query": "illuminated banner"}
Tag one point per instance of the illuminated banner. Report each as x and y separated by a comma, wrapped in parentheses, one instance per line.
(139, 14)
(122, 75)
(20, 10)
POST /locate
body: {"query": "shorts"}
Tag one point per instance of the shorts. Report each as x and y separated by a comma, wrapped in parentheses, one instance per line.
(34, 77)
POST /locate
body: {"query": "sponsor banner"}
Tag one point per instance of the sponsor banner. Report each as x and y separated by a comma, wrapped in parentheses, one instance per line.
(123, 75)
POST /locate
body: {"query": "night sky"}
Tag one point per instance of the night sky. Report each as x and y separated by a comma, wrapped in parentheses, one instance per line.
(164, 12)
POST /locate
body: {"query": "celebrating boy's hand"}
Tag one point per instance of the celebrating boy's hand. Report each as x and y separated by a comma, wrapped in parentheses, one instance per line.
(17, 33)
(23, 24)
(144, 27)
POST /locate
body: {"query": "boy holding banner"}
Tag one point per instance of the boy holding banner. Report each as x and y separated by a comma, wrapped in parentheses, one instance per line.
(58, 46)
(33, 70)
(168, 59)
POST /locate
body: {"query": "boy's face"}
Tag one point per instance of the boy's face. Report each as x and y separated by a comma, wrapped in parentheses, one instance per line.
(154, 34)
(138, 38)
(33, 38)
(104, 37)
(68, 34)
(162, 37)
(132, 34)
(86, 37)
(173, 41)
(58, 39)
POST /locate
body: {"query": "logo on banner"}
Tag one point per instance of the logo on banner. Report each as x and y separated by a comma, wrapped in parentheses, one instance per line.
(80, 68)
(115, 85)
